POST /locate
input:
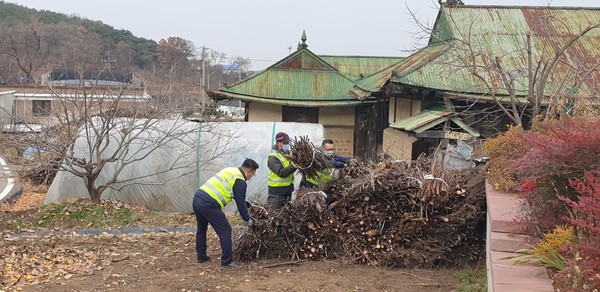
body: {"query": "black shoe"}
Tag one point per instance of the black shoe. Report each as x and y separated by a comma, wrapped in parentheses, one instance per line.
(203, 259)
(232, 265)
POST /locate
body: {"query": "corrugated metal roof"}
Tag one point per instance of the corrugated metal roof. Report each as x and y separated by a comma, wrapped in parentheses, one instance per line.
(292, 102)
(306, 79)
(295, 84)
(302, 59)
(499, 31)
(428, 119)
(421, 119)
(375, 82)
(356, 67)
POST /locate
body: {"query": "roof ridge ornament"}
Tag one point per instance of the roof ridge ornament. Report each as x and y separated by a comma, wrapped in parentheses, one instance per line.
(303, 45)
(451, 3)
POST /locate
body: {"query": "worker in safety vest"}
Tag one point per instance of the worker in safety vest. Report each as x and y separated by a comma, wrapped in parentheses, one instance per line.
(208, 204)
(322, 177)
(281, 173)
(336, 161)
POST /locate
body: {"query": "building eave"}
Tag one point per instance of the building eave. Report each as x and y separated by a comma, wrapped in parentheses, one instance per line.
(289, 102)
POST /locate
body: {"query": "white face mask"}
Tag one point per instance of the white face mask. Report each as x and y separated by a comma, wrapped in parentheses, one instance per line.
(329, 152)
(286, 147)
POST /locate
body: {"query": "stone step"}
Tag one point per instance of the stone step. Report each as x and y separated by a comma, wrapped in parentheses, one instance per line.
(508, 242)
(503, 209)
(506, 276)
(504, 225)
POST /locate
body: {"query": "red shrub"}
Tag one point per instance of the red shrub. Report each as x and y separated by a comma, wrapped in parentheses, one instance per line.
(557, 152)
(587, 206)
(583, 272)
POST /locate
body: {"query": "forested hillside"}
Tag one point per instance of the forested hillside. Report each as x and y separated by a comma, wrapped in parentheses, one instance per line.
(36, 42)
(33, 40)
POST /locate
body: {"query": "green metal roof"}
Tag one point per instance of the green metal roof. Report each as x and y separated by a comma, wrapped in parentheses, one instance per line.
(501, 31)
(357, 67)
(293, 102)
(424, 118)
(305, 79)
(276, 83)
(375, 82)
(428, 119)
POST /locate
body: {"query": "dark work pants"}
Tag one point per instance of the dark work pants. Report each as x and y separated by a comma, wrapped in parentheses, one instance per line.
(279, 196)
(208, 213)
(277, 202)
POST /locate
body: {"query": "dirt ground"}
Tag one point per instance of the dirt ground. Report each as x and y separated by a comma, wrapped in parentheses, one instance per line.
(166, 262)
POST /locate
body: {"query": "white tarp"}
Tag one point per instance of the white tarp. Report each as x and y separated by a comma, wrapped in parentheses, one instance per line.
(458, 157)
(220, 145)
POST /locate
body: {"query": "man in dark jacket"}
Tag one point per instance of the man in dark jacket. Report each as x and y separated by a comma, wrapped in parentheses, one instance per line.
(337, 161)
(281, 172)
(208, 204)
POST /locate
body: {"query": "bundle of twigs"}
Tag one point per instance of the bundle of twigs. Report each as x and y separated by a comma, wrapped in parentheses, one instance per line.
(387, 214)
(307, 157)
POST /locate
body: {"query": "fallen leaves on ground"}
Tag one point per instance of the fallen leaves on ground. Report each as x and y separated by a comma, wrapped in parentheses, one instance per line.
(32, 197)
(33, 260)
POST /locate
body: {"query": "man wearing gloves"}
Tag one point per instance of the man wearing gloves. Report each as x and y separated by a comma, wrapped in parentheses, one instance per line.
(336, 161)
(208, 204)
(281, 172)
(328, 149)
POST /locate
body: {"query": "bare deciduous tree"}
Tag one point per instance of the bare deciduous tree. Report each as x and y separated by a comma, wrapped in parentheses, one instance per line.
(23, 43)
(105, 136)
(522, 81)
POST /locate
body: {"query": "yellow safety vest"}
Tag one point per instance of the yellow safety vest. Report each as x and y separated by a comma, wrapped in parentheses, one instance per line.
(274, 179)
(322, 177)
(220, 186)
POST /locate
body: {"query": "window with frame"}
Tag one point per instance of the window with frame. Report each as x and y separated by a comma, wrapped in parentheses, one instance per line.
(41, 107)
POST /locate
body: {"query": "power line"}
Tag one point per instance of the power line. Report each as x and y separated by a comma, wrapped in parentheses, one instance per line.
(262, 60)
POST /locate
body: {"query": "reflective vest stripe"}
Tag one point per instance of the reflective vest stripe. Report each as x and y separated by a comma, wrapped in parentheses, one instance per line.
(322, 177)
(216, 192)
(220, 186)
(275, 180)
(226, 181)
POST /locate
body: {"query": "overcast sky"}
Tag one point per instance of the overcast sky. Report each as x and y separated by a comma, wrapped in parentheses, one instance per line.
(262, 30)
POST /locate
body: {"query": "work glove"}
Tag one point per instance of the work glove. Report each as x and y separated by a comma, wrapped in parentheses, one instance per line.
(249, 222)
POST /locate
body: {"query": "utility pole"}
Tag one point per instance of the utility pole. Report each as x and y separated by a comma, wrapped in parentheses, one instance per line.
(203, 67)
(108, 60)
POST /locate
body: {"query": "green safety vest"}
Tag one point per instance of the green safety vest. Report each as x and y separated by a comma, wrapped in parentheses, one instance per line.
(322, 177)
(274, 179)
(220, 186)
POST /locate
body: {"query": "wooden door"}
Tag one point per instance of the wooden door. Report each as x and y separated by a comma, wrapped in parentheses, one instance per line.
(364, 132)
(370, 121)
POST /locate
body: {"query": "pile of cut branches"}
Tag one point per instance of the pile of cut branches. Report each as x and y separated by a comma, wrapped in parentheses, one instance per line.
(386, 214)
(307, 157)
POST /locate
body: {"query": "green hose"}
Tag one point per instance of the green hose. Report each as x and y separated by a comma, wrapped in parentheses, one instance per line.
(273, 136)
(198, 157)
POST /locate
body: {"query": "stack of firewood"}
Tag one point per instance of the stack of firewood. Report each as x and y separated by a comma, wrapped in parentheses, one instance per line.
(386, 214)
(307, 157)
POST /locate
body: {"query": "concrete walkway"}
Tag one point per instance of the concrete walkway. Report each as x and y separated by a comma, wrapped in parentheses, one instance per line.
(503, 239)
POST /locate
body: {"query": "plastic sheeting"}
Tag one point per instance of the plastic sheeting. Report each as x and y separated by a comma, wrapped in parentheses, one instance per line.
(458, 157)
(207, 149)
